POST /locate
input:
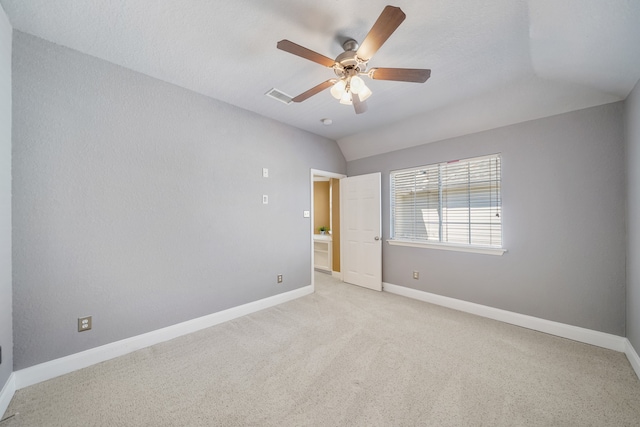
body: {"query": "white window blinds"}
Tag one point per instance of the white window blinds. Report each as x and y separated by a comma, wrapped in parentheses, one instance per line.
(456, 202)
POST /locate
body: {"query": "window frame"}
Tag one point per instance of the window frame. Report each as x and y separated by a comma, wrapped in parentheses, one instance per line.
(443, 245)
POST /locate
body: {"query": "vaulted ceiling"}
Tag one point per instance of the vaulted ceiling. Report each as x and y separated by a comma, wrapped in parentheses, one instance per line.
(493, 63)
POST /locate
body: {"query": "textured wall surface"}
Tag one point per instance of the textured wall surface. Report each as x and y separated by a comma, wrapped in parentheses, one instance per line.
(6, 332)
(140, 203)
(632, 127)
(563, 188)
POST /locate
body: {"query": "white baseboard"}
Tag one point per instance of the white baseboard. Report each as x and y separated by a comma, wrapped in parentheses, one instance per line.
(64, 365)
(7, 393)
(45, 371)
(588, 336)
(633, 357)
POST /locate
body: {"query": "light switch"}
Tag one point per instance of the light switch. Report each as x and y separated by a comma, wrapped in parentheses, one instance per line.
(265, 173)
(265, 199)
(306, 214)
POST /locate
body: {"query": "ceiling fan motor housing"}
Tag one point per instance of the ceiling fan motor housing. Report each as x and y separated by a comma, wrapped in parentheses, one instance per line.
(350, 64)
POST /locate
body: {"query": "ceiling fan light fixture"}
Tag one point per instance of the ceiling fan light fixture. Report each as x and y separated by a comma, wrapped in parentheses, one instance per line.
(339, 89)
(348, 87)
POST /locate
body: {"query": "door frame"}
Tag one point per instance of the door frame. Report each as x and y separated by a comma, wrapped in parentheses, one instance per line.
(324, 174)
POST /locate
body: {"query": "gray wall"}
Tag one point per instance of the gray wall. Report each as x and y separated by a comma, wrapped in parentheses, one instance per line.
(140, 203)
(563, 221)
(632, 128)
(6, 332)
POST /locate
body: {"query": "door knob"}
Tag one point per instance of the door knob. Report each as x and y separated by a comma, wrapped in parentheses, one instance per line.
(376, 238)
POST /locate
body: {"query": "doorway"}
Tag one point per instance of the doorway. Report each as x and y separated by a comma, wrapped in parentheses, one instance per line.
(325, 223)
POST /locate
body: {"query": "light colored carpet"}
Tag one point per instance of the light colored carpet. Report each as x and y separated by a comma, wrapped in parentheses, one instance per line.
(346, 356)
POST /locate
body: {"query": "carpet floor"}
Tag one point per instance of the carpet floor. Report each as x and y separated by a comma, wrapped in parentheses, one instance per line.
(346, 356)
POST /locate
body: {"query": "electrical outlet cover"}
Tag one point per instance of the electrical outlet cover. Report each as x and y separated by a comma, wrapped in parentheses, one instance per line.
(84, 323)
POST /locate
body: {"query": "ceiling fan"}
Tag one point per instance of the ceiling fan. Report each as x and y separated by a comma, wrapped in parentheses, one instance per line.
(348, 87)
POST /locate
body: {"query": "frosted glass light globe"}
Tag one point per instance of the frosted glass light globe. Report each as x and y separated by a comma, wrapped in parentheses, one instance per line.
(356, 84)
(364, 93)
(338, 89)
(346, 99)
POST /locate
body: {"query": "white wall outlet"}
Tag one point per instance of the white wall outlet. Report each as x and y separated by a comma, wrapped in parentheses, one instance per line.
(306, 214)
(416, 275)
(279, 278)
(265, 199)
(84, 323)
(265, 173)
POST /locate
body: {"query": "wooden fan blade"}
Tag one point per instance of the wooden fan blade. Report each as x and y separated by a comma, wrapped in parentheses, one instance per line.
(359, 106)
(305, 53)
(415, 75)
(390, 19)
(314, 90)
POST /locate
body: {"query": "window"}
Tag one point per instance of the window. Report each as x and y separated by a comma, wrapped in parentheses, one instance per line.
(457, 203)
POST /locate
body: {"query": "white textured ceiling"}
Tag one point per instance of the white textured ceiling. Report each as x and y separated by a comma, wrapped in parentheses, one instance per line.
(493, 63)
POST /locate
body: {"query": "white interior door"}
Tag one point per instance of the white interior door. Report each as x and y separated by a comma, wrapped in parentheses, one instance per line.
(361, 231)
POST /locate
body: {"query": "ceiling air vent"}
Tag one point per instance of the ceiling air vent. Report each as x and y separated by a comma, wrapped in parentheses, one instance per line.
(279, 96)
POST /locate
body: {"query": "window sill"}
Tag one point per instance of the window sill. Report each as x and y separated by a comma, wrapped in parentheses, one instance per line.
(448, 247)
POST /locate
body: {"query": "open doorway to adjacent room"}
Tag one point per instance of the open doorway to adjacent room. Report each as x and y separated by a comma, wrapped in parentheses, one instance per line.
(325, 223)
